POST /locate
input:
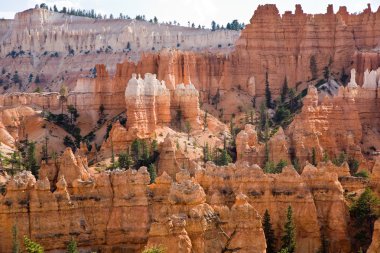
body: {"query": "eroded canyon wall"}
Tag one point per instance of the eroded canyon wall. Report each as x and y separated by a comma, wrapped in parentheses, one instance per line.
(220, 208)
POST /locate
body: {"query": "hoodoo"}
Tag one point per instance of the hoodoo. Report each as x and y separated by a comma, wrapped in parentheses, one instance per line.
(142, 136)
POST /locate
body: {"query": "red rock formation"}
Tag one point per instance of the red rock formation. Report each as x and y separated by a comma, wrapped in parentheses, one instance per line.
(98, 214)
(197, 220)
(249, 149)
(148, 105)
(332, 210)
(316, 197)
(172, 160)
(375, 245)
(290, 41)
(332, 126)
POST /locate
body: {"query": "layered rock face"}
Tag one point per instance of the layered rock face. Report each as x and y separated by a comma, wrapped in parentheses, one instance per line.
(375, 245)
(249, 149)
(95, 212)
(172, 160)
(332, 126)
(291, 40)
(73, 168)
(40, 30)
(347, 122)
(318, 205)
(219, 209)
(148, 104)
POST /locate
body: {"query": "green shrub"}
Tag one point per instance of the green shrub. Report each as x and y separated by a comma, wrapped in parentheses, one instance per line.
(362, 173)
(366, 207)
(155, 249)
(32, 247)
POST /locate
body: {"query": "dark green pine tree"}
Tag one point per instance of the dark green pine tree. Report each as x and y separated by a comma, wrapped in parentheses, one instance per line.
(289, 238)
(125, 160)
(268, 94)
(113, 164)
(145, 151)
(206, 153)
(269, 233)
(136, 150)
(313, 157)
(15, 241)
(152, 173)
(284, 90)
(31, 161)
(224, 158)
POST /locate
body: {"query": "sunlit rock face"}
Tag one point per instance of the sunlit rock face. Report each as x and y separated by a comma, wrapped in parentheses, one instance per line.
(147, 103)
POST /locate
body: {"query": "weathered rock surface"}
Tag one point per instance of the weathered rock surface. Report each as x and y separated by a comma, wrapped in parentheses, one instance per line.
(99, 214)
(148, 104)
(249, 149)
(218, 209)
(375, 245)
(40, 30)
(316, 204)
(291, 41)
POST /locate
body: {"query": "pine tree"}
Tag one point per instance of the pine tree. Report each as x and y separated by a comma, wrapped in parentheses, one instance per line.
(224, 158)
(325, 156)
(284, 90)
(125, 160)
(206, 153)
(262, 120)
(313, 68)
(213, 25)
(72, 246)
(145, 151)
(233, 132)
(154, 146)
(266, 154)
(364, 209)
(136, 150)
(37, 79)
(205, 121)
(280, 165)
(268, 94)
(289, 238)
(292, 100)
(269, 233)
(251, 117)
(152, 173)
(32, 247)
(15, 241)
(313, 157)
(188, 129)
(266, 128)
(14, 161)
(73, 113)
(31, 161)
(113, 161)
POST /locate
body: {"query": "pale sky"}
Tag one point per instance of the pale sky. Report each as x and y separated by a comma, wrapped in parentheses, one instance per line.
(197, 11)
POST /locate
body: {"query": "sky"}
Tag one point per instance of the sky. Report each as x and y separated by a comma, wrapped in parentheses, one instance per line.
(196, 11)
